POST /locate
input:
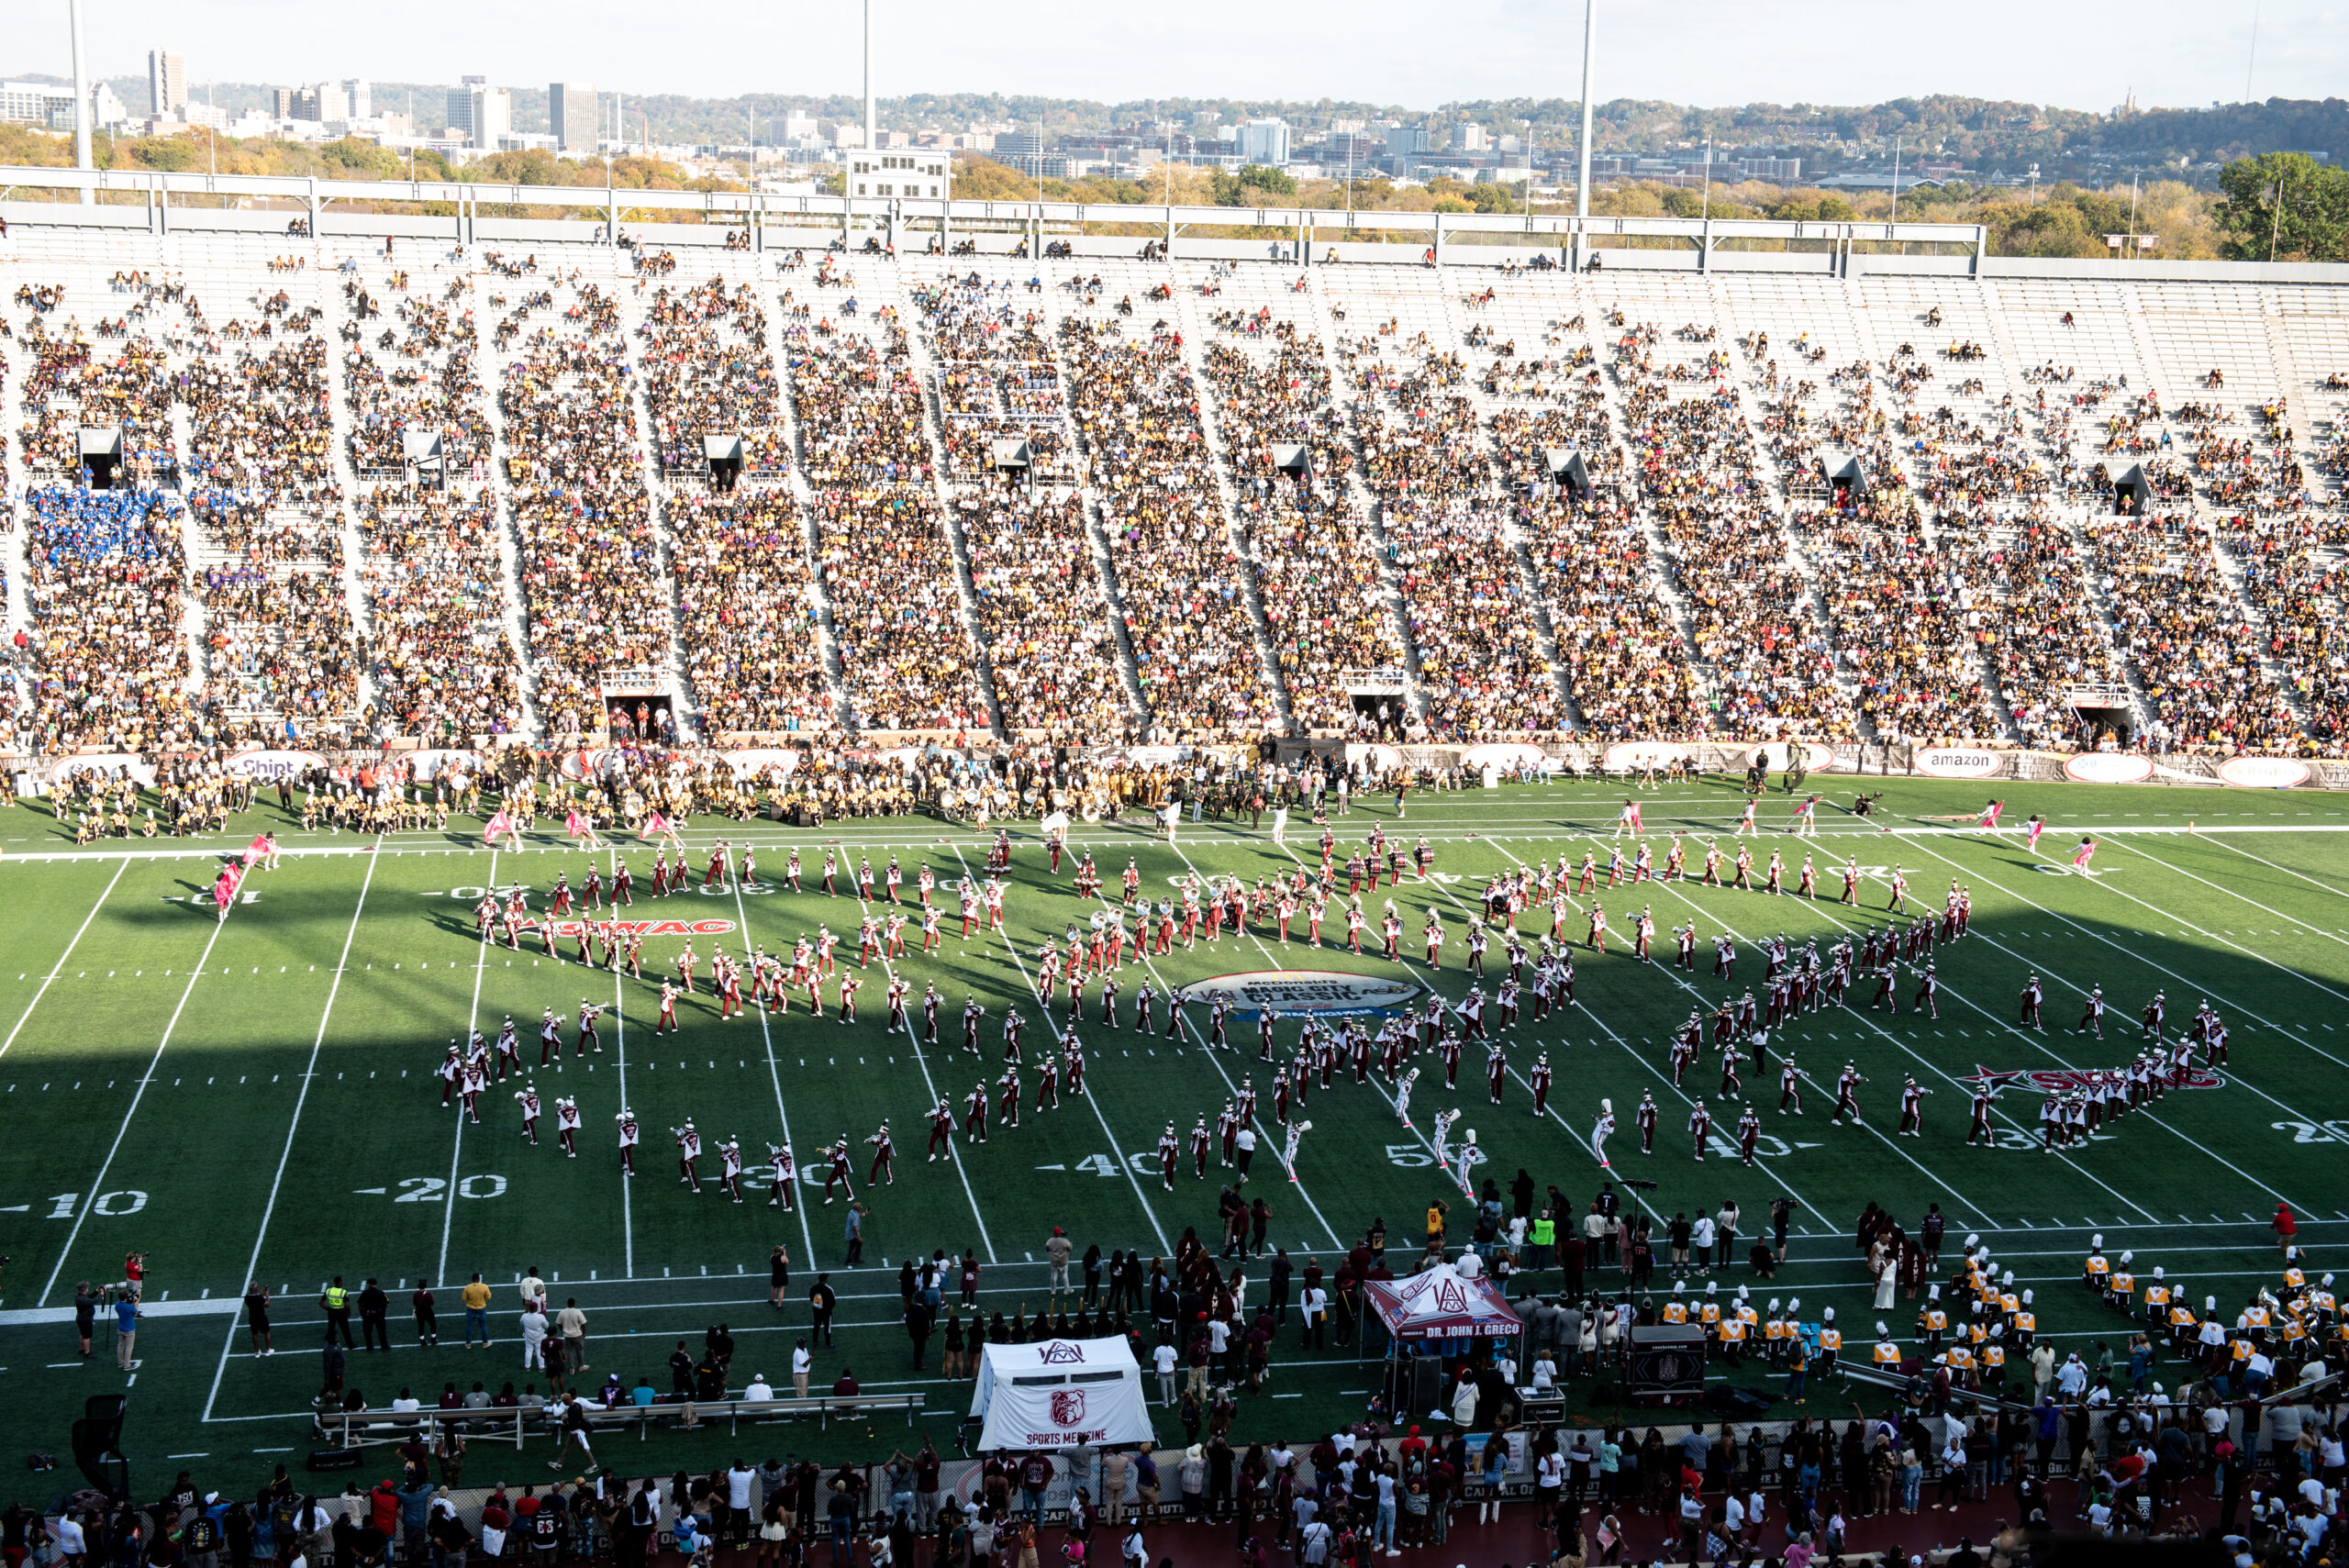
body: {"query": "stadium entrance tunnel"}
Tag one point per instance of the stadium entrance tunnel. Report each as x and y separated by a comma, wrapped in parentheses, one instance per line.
(636, 715)
(101, 455)
(724, 454)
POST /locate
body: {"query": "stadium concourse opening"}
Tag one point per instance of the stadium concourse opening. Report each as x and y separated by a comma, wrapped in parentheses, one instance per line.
(724, 454)
(101, 455)
(2132, 492)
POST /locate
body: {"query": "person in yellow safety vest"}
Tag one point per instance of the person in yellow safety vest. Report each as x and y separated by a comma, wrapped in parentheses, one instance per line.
(1798, 1366)
(1887, 1352)
(2120, 1287)
(2157, 1300)
(336, 1300)
(2095, 1271)
(1830, 1342)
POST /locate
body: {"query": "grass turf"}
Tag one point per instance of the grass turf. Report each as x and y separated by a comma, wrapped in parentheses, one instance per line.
(256, 1098)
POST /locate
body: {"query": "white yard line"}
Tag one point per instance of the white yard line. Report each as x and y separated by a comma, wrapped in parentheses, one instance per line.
(457, 1148)
(301, 1098)
(1117, 1150)
(98, 1184)
(783, 1118)
(60, 967)
(953, 1143)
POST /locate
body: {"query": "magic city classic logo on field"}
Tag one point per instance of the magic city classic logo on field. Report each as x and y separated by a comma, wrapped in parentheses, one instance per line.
(1300, 992)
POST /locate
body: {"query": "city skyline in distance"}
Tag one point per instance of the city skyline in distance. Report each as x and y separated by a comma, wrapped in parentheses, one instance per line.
(2166, 52)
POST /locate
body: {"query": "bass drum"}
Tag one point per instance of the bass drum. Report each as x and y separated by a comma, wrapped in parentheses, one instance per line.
(1092, 812)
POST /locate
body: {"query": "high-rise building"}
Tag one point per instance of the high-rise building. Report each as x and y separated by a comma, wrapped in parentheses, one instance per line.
(461, 106)
(281, 103)
(323, 102)
(480, 112)
(166, 83)
(1469, 138)
(574, 114)
(1264, 142)
(357, 102)
(1405, 139)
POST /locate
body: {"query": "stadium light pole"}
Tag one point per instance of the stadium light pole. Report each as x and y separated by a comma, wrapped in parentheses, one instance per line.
(81, 100)
(1589, 48)
(870, 125)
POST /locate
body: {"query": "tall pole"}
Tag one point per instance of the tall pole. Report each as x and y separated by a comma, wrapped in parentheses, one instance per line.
(1708, 216)
(872, 126)
(81, 102)
(1589, 50)
(1896, 179)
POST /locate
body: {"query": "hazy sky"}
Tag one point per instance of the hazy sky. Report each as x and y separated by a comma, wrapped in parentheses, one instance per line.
(2085, 54)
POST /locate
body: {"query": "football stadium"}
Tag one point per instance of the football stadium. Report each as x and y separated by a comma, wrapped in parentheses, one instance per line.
(1516, 887)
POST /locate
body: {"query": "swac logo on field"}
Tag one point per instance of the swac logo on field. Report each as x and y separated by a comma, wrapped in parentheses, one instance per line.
(651, 927)
(1301, 993)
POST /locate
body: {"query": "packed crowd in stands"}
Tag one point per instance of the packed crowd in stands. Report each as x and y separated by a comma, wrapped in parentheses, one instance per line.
(1325, 597)
(1043, 616)
(441, 660)
(1387, 500)
(1896, 617)
(1425, 458)
(2195, 652)
(747, 611)
(108, 651)
(418, 371)
(594, 598)
(998, 387)
(1748, 615)
(1179, 580)
(708, 372)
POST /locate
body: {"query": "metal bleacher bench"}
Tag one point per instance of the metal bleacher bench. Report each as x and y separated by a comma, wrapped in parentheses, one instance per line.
(360, 1429)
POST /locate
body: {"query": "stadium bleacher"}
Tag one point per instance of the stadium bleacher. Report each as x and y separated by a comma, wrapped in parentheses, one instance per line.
(1103, 498)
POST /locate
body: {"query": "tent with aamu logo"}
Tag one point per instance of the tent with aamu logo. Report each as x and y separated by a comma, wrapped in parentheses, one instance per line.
(1060, 1393)
(1442, 1305)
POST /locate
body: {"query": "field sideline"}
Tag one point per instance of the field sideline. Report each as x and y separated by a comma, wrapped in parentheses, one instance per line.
(255, 1098)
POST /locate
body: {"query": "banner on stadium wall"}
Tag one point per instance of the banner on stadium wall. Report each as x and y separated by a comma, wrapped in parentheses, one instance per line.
(1503, 755)
(758, 759)
(1775, 754)
(268, 766)
(1960, 763)
(1647, 753)
(108, 764)
(2108, 767)
(2263, 773)
(581, 763)
(430, 763)
(1375, 756)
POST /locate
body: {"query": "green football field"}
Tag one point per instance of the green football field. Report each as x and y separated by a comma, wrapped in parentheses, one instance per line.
(256, 1098)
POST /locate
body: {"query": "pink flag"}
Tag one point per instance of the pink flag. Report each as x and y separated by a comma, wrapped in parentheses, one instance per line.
(499, 823)
(656, 826)
(258, 849)
(224, 891)
(578, 826)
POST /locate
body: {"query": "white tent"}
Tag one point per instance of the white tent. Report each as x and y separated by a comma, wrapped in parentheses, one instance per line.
(1060, 1393)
